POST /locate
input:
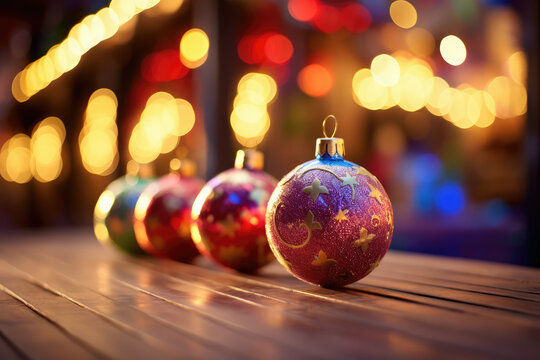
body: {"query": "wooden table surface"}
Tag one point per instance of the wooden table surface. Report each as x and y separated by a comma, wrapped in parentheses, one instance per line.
(63, 296)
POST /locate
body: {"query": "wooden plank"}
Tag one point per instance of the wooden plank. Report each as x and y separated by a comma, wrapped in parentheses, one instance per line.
(514, 277)
(36, 335)
(107, 338)
(8, 351)
(321, 321)
(467, 282)
(344, 316)
(475, 330)
(180, 320)
(412, 306)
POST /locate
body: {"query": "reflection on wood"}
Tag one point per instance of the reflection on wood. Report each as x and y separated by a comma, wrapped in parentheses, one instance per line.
(64, 296)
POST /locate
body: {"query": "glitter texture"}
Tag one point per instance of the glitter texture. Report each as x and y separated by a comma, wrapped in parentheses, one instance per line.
(329, 222)
(163, 216)
(118, 217)
(228, 219)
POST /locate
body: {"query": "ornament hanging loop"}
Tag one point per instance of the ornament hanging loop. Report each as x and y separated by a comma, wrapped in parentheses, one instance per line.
(324, 126)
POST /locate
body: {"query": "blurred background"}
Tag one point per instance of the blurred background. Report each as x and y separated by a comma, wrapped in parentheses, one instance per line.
(437, 98)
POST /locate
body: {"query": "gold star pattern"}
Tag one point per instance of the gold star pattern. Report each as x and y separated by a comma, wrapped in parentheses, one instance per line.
(184, 230)
(375, 193)
(323, 261)
(364, 240)
(310, 223)
(349, 180)
(372, 266)
(340, 216)
(361, 171)
(390, 220)
(315, 189)
(228, 226)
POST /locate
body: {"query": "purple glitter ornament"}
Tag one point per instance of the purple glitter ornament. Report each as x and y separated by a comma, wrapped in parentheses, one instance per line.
(329, 221)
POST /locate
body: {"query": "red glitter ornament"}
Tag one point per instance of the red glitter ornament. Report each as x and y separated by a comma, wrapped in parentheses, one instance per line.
(329, 221)
(163, 213)
(228, 215)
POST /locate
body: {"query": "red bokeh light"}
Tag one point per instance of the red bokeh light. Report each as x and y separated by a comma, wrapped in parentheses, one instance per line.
(355, 17)
(315, 80)
(245, 49)
(278, 49)
(327, 19)
(303, 10)
(269, 47)
(163, 66)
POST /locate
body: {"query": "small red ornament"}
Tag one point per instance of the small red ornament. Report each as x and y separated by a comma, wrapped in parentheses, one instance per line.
(163, 213)
(228, 215)
(329, 221)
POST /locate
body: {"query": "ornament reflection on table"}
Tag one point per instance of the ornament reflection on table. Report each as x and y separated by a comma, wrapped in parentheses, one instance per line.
(329, 221)
(228, 215)
(113, 214)
(163, 213)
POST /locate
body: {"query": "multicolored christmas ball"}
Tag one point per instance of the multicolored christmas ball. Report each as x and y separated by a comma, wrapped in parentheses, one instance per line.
(113, 214)
(228, 215)
(329, 221)
(163, 213)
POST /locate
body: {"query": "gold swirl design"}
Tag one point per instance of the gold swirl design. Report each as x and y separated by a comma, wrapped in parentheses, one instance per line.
(377, 220)
(309, 225)
(321, 169)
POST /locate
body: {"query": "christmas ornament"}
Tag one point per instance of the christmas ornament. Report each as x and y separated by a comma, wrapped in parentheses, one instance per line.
(329, 221)
(228, 215)
(163, 213)
(113, 214)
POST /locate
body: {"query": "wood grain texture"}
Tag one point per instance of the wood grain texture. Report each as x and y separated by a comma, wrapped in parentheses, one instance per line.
(64, 296)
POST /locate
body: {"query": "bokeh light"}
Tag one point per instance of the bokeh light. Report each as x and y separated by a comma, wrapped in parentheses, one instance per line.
(278, 49)
(194, 47)
(510, 97)
(453, 50)
(385, 70)
(98, 137)
(303, 10)
(63, 57)
(162, 122)
(249, 119)
(403, 14)
(316, 80)
(420, 41)
(46, 147)
(15, 158)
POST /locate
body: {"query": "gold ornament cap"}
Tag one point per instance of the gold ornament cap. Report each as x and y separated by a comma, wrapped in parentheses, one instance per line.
(329, 146)
(249, 159)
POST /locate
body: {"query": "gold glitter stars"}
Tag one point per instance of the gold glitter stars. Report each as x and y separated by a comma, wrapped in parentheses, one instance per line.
(228, 226)
(323, 261)
(373, 265)
(375, 193)
(349, 180)
(309, 223)
(315, 189)
(390, 220)
(361, 171)
(364, 240)
(340, 216)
